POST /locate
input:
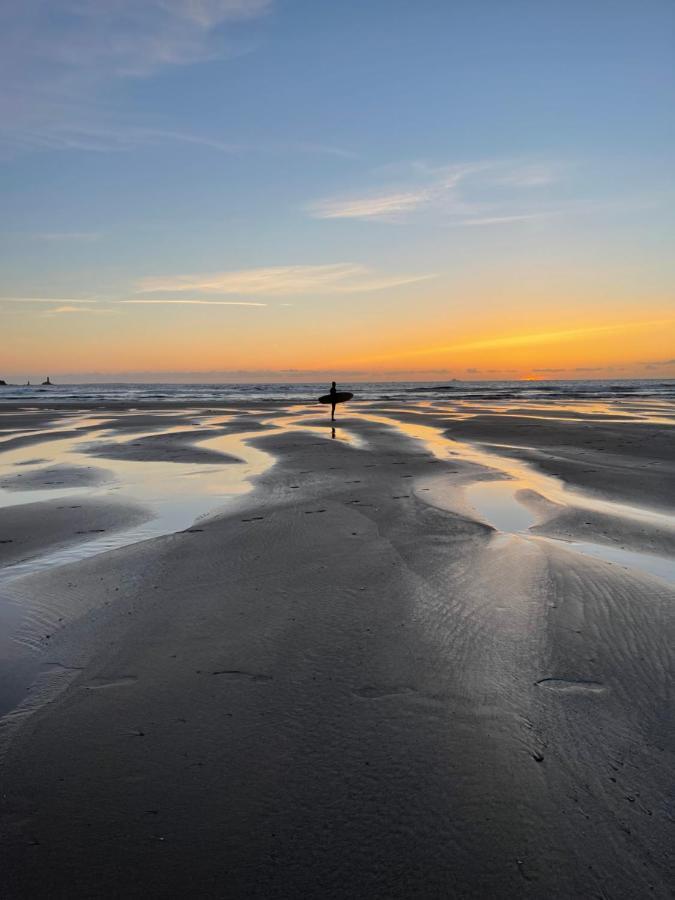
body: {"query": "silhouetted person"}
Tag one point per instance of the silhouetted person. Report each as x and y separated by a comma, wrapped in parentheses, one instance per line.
(332, 392)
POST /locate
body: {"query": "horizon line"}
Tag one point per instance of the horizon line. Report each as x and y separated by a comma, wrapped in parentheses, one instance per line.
(359, 378)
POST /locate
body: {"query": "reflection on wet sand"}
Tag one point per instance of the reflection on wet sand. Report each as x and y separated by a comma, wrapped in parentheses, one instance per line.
(497, 501)
(177, 494)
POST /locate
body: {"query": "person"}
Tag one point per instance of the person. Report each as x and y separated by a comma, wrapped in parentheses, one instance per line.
(332, 392)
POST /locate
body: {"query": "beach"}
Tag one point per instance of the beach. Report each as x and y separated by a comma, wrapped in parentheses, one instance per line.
(424, 651)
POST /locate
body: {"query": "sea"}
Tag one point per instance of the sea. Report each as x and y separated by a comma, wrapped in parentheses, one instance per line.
(156, 393)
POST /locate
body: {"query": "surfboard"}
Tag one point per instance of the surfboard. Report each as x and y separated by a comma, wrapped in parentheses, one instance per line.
(340, 397)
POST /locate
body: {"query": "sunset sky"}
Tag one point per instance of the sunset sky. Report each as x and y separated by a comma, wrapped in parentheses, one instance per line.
(289, 189)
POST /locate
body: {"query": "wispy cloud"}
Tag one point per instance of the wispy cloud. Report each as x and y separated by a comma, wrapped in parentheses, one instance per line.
(503, 220)
(58, 58)
(66, 300)
(532, 339)
(556, 337)
(60, 310)
(384, 206)
(96, 131)
(479, 193)
(557, 371)
(339, 278)
(195, 302)
(162, 135)
(125, 37)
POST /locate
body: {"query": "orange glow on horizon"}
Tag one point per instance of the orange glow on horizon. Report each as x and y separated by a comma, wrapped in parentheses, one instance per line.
(425, 338)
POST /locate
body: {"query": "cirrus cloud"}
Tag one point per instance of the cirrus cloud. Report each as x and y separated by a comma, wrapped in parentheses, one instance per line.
(336, 278)
(58, 60)
(475, 193)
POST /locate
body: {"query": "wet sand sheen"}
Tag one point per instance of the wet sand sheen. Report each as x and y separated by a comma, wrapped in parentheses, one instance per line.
(497, 504)
(341, 681)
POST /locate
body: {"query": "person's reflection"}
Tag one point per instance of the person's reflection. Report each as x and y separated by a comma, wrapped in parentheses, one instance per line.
(332, 433)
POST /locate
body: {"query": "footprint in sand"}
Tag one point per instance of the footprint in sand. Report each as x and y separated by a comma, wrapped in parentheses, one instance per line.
(240, 673)
(572, 685)
(376, 692)
(104, 684)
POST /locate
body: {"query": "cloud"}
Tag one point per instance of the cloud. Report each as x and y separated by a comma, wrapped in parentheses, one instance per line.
(125, 37)
(437, 186)
(344, 375)
(78, 309)
(196, 302)
(339, 278)
(504, 220)
(554, 337)
(386, 206)
(58, 58)
(477, 193)
(534, 339)
(98, 133)
(659, 363)
(68, 300)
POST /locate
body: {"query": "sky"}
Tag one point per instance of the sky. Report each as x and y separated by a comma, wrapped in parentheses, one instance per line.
(298, 189)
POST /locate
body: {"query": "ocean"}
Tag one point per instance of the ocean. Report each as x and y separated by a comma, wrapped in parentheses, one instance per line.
(144, 393)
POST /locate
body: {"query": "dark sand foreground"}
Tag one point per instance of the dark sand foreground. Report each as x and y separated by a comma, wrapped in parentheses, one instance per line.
(345, 682)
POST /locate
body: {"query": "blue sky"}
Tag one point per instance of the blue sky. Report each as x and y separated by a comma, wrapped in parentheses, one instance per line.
(507, 161)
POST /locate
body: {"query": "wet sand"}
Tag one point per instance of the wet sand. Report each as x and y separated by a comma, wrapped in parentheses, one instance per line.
(161, 448)
(31, 529)
(43, 477)
(380, 665)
